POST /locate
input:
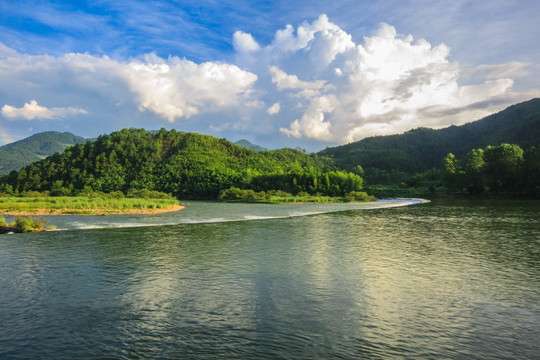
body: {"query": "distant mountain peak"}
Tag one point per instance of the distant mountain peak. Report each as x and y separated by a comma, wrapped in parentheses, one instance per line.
(18, 154)
(247, 144)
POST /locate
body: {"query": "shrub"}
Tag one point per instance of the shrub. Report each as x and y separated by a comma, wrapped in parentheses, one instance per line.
(29, 224)
(359, 196)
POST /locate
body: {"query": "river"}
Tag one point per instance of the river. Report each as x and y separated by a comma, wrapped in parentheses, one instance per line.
(455, 279)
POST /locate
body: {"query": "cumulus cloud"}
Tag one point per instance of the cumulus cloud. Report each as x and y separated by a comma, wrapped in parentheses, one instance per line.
(323, 40)
(286, 81)
(170, 88)
(274, 109)
(390, 83)
(311, 81)
(244, 42)
(179, 88)
(32, 110)
(312, 124)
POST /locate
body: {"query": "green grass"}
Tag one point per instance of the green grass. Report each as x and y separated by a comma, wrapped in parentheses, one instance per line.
(25, 224)
(80, 204)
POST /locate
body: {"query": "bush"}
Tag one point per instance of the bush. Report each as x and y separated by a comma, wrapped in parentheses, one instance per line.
(359, 196)
(60, 191)
(148, 194)
(234, 193)
(29, 224)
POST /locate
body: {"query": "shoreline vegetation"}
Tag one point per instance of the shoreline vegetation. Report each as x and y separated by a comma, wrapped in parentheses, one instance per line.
(234, 194)
(24, 225)
(81, 205)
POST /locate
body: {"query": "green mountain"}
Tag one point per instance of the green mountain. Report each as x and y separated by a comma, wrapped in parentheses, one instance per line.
(186, 165)
(247, 144)
(16, 155)
(422, 149)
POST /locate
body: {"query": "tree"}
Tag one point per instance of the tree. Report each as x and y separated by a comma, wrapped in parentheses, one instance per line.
(503, 167)
(474, 169)
(531, 171)
(452, 176)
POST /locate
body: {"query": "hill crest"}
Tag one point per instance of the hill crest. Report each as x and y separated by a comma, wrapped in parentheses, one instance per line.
(423, 148)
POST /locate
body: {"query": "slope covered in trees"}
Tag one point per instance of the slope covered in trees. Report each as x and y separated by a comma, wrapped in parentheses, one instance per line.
(16, 155)
(186, 165)
(247, 144)
(422, 149)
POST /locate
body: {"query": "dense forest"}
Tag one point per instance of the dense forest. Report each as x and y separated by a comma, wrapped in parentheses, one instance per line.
(390, 159)
(505, 168)
(186, 165)
(34, 148)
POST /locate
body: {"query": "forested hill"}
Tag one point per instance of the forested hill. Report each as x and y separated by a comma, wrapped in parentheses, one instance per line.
(186, 165)
(36, 147)
(247, 144)
(422, 149)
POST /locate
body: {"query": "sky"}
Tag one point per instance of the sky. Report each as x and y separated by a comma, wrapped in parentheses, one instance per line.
(284, 73)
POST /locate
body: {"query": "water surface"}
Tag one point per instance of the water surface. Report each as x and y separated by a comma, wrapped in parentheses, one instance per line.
(453, 279)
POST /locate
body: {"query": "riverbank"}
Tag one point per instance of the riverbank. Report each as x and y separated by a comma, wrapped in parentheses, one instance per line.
(281, 197)
(42, 206)
(90, 212)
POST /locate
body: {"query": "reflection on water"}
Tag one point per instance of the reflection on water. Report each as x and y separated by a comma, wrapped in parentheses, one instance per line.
(448, 279)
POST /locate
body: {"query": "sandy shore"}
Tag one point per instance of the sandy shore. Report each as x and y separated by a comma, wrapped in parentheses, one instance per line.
(90, 212)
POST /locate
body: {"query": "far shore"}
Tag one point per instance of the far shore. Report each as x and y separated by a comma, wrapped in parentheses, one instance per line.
(91, 212)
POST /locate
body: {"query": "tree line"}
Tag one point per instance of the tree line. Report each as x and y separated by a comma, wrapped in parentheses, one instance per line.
(502, 169)
(186, 165)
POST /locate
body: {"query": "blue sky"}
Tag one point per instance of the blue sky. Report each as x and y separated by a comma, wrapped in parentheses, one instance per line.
(278, 73)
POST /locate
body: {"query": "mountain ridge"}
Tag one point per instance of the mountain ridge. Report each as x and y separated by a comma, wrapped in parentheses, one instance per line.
(16, 155)
(423, 148)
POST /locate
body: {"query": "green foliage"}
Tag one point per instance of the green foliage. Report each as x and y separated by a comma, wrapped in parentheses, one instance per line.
(29, 224)
(505, 168)
(422, 149)
(16, 155)
(109, 203)
(451, 173)
(280, 196)
(531, 171)
(234, 193)
(359, 196)
(3, 221)
(138, 163)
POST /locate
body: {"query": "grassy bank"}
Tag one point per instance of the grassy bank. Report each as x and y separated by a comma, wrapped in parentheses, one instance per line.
(24, 225)
(280, 197)
(81, 205)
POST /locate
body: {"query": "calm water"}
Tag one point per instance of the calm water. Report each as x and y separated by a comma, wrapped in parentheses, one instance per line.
(448, 279)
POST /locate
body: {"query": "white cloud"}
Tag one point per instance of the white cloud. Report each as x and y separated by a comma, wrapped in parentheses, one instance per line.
(244, 42)
(310, 82)
(179, 88)
(32, 110)
(312, 124)
(274, 109)
(324, 39)
(285, 81)
(386, 85)
(170, 88)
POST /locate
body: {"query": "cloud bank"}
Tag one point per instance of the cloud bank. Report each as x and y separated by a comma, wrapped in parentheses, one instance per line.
(309, 83)
(388, 84)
